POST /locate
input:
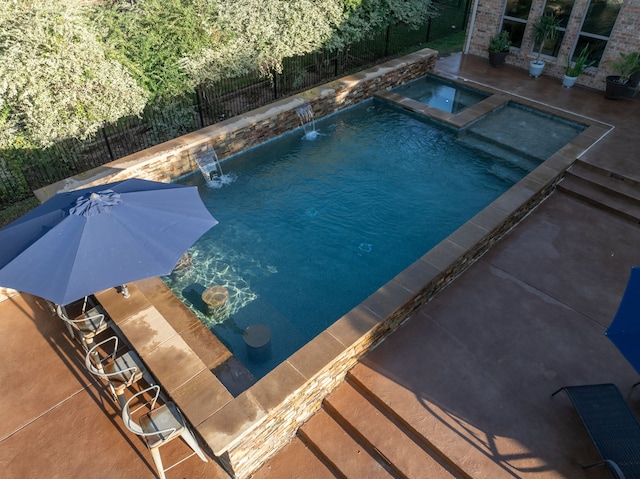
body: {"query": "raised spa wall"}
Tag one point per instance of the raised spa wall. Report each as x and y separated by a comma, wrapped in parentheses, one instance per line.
(244, 431)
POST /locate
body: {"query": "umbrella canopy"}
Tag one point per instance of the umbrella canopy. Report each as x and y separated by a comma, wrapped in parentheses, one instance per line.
(624, 330)
(84, 241)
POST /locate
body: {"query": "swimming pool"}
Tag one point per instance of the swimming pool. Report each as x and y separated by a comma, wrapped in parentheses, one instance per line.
(244, 423)
(310, 228)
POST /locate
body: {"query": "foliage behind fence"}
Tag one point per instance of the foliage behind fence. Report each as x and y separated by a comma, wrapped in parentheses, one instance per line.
(22, 171)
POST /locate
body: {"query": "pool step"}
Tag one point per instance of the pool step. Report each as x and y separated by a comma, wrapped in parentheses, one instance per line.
(486, 145)
(605, 189)
(357, 438)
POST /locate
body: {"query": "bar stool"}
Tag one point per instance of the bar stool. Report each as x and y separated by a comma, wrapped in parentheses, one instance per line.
(120, 372)
(158, 425)
(87, 326)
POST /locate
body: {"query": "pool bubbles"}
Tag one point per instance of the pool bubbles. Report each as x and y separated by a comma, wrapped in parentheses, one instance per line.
(311, 135)
(217, 182)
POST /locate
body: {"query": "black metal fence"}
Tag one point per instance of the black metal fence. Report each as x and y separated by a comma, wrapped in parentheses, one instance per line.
(22, 171)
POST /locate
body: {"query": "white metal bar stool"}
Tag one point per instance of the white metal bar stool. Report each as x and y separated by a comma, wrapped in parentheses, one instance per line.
(120, 372)
(158, 425)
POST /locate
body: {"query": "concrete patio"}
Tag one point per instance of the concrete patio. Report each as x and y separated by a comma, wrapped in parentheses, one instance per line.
(472, 371)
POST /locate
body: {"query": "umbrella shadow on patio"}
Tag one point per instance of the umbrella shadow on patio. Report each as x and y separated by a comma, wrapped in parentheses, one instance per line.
(49, 397)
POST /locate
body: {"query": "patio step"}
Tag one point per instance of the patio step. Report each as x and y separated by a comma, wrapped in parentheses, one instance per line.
(339, 450)
(359, 439)
(605, 189)
(295, 460)
(444, 440)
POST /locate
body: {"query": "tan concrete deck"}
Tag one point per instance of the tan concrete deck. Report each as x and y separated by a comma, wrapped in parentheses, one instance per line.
(486, 353)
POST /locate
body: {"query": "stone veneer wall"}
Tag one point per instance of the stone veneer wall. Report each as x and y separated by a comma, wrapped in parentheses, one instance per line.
(280, 426)
(624, 38)
(176, 158)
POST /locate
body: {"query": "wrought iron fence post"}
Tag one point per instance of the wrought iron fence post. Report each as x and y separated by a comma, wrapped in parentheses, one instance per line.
(274, 77)
(199, 107)
(386, 42)
(106, 141)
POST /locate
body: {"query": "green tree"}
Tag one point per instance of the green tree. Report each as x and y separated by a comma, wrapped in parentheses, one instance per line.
(57, 81)
(68, 67)
(363, 17)
(153, 36)
(261, 33)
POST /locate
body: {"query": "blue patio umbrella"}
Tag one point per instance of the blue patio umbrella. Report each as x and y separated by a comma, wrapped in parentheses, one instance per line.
(81, 242)
(624, 330)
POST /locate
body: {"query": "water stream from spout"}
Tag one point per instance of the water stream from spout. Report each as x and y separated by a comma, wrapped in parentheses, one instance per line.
(307, 121)
(211, 170)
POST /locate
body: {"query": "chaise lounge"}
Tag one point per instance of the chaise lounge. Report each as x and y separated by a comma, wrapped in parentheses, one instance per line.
(614, 429)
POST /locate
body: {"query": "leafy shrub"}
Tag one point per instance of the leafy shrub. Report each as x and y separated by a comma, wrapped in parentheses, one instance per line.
(56, 78)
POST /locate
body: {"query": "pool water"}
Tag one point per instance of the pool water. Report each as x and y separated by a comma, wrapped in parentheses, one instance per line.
(528, 133)
(440, 94)
(311, 228)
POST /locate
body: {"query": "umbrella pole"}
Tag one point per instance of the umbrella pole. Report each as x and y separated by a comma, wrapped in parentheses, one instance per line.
(64, 311)
(123, 289)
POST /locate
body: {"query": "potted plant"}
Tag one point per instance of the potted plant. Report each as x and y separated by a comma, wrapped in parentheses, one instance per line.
(499, 48)
(625, 83)
(544, 29)
(573, 71)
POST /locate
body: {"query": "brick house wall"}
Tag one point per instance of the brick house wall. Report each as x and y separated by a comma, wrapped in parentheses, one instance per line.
(625, 37)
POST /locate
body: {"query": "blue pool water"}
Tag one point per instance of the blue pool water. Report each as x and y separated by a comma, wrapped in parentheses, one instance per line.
(311, 228)
(440, 94)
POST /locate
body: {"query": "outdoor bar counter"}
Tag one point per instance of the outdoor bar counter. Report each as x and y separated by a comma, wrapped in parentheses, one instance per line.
(163, 347)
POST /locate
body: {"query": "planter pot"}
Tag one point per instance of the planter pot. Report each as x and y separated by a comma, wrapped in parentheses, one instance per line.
(568, 81)
(535, 68)
(614, 89)
(634, 80)
(632, 85)
(497, 59)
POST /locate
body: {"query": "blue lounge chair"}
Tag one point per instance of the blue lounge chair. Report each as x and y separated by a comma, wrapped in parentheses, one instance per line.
(614, 429)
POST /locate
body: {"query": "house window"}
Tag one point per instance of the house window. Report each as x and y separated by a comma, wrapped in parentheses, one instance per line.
(517, 12)
(514, 19)
(597, 26)
(561, 9)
